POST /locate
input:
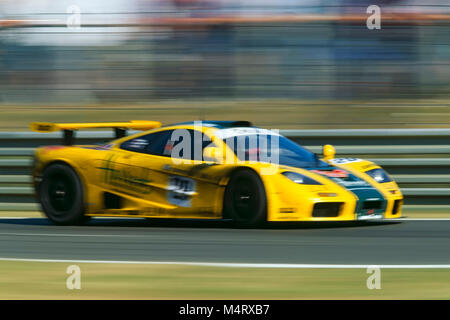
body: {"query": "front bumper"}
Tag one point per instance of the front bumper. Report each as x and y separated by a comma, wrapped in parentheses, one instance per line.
(338, 209)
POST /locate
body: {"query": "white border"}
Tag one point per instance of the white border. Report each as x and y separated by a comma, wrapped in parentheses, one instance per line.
(246, 265)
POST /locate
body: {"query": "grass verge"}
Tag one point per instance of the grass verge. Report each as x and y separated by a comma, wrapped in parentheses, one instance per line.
(22, 214)
(42, 280)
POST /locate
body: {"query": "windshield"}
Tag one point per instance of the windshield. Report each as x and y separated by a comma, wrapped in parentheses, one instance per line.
(272, 148)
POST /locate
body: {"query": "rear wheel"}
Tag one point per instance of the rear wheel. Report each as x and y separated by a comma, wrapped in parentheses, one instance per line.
(61, 195)
(245, 199)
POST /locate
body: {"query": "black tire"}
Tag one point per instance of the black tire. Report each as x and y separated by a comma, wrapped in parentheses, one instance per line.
(245, 200)
(61, 195)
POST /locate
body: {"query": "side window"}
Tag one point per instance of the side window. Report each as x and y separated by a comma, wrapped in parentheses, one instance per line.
(152, 143)
(158, 145)
(137, 144)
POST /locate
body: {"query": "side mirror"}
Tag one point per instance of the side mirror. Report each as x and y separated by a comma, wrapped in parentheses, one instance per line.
(211, 154)
(328, 152)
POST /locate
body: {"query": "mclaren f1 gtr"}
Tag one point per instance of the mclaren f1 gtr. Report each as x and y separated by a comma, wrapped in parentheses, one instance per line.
(205, 170)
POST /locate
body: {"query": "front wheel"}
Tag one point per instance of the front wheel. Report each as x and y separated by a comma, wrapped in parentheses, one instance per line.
(245, 199)
(61, 195)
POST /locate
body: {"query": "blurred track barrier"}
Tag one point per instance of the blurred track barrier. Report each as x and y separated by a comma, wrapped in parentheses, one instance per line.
(397, 17)
(313, 52)
(418, 159)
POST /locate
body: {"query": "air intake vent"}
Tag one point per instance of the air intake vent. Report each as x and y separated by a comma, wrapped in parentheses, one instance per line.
(375, 205)
(112, 201)
(326, 209)
(397, 206)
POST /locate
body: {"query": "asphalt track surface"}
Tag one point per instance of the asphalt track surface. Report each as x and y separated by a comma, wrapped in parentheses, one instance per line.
(405, 242)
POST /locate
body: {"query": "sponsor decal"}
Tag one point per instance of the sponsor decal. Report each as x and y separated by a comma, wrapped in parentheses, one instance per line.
(357, 183)
(168, 148)
(180, 191)
(129, 178)
(344, 178)
(336, 173)
(235, 132)
(102, 147)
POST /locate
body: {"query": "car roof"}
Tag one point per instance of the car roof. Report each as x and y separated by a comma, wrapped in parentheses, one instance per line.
(215, 124)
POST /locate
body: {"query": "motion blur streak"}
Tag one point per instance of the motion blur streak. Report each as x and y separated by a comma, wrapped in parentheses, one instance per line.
(245, 265)
(406, 243)
(140, 51)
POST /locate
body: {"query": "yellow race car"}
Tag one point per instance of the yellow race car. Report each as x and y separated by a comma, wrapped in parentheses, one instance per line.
(205, 170)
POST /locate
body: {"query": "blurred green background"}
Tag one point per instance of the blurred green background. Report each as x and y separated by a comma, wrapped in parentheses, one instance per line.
(284, 64)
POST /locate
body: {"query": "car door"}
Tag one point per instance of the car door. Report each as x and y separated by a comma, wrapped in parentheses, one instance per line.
(120, 171)
(184, 180)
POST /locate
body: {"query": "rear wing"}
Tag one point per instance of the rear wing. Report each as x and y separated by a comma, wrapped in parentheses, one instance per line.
(120, 128)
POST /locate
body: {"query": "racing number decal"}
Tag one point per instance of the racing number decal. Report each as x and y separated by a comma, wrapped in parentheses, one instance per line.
(344, 160)
(180, 190)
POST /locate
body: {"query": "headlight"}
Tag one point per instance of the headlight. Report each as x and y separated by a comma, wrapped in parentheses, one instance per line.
(379, 175)
(299, 178)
